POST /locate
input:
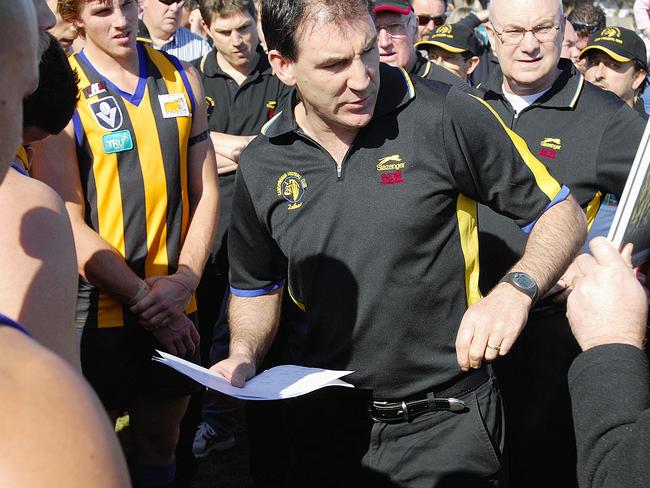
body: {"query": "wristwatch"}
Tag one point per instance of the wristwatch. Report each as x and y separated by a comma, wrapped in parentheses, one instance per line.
(524, 283)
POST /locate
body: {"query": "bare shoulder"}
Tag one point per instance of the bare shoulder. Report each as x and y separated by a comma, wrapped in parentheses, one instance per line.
(49, 405)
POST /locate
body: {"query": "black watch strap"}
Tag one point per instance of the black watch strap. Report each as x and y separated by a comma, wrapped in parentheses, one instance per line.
(524, 283)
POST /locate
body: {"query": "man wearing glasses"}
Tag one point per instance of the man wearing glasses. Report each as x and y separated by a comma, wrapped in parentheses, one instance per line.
(430, 14)
(161, 26)
(588, 139)
(396, 26)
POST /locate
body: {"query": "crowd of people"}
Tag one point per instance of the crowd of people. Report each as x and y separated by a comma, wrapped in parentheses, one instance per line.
(410, 190)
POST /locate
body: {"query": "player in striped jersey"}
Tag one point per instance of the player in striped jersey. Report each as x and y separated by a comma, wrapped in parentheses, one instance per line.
(138, 177)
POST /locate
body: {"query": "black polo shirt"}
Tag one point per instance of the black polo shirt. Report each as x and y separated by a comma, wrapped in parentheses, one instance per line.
(238, 110)
(586, 136)
(383, 256)
(431, 71)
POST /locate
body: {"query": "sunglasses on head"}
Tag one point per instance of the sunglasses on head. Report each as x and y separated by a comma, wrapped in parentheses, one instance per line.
(437, 20)
(179, 3)
(585, 27)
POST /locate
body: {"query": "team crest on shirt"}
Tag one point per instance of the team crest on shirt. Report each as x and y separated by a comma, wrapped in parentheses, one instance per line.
(107, 113)
(291, 186)
(390, 169)
(549, 147)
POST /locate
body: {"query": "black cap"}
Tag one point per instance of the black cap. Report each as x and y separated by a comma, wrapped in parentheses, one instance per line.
(398, 6)
(455, 38)
(619, 43)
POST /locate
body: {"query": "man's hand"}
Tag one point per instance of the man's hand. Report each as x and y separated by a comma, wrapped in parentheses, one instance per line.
(608, 304)
(179, 336)
(237, 368)
(490, 327)
(167, 299)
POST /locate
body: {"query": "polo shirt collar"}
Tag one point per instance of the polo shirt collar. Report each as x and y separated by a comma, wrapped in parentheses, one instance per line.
(211, 68)
(395, 90)
(563, 93)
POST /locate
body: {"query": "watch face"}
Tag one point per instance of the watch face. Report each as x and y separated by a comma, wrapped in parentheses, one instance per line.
(523, 280)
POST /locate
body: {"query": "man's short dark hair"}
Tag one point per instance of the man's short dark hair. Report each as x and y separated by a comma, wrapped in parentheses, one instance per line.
(224, 8)
(51, 106)
(587, 19)
(284, 20)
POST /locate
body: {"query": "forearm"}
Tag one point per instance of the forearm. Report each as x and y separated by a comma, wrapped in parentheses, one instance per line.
(228, 145)
(225, 165)
(103, 266)
(253, 324)
(204, 214)
(553, 244)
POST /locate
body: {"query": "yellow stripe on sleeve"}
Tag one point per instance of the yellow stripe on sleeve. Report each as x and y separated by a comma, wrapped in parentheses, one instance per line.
(466, 211)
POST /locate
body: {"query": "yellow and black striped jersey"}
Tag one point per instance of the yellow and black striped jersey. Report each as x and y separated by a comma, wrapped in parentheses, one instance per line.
(132, 153)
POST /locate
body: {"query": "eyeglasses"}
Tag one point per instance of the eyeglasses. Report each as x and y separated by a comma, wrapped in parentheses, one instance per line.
(438, 20)
(179, 3)
(585, 27)
(512, 37)
(396, 29)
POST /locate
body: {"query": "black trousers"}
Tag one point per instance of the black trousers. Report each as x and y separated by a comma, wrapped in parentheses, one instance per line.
(540, 440)
(334, 443)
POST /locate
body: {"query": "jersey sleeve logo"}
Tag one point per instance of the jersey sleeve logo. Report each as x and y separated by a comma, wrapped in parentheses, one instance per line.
(107, 113)
(173, 105)
(291, 186)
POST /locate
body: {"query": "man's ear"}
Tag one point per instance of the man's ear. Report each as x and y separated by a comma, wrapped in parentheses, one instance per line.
(473, 63)
(282, 67)
(639, 76)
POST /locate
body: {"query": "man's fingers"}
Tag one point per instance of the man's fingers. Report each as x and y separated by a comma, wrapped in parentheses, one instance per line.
(605, 253)
(194, 334)
(190, 346)
(626, 253)
(463, 341)
(143, 304)
(478, 348)
(584, 264)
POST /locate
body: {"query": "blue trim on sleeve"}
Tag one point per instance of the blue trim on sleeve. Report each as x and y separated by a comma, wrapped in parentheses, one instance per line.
(19, 168)
(560, 197)
(78, 127)
(4, 320)
(186, 81)
(257, 293)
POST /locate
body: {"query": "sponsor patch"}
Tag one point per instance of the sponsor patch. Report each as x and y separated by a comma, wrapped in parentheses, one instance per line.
(94, 89)
(117, 142)
(173, 105)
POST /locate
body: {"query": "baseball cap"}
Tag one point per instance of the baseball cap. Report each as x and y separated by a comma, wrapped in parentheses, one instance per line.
(619, 43)
(399, 6)
(455, 38)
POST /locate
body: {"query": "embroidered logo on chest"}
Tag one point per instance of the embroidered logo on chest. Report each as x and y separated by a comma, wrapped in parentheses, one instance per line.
(291, 186)
(390, 169)
(549, 147)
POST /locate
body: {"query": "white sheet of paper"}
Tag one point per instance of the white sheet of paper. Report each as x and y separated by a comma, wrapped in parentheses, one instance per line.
(286, 381)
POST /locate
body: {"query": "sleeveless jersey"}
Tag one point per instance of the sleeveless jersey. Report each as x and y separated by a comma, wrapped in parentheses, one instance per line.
(132, 153)
(4, 320)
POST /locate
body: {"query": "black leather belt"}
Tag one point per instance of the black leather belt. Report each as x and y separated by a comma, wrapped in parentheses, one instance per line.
(445, 399)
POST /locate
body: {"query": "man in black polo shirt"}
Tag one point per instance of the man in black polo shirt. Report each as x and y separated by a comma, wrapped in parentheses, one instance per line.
(586, 137)
(397, 31)
(242, 94)
(361, 193)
